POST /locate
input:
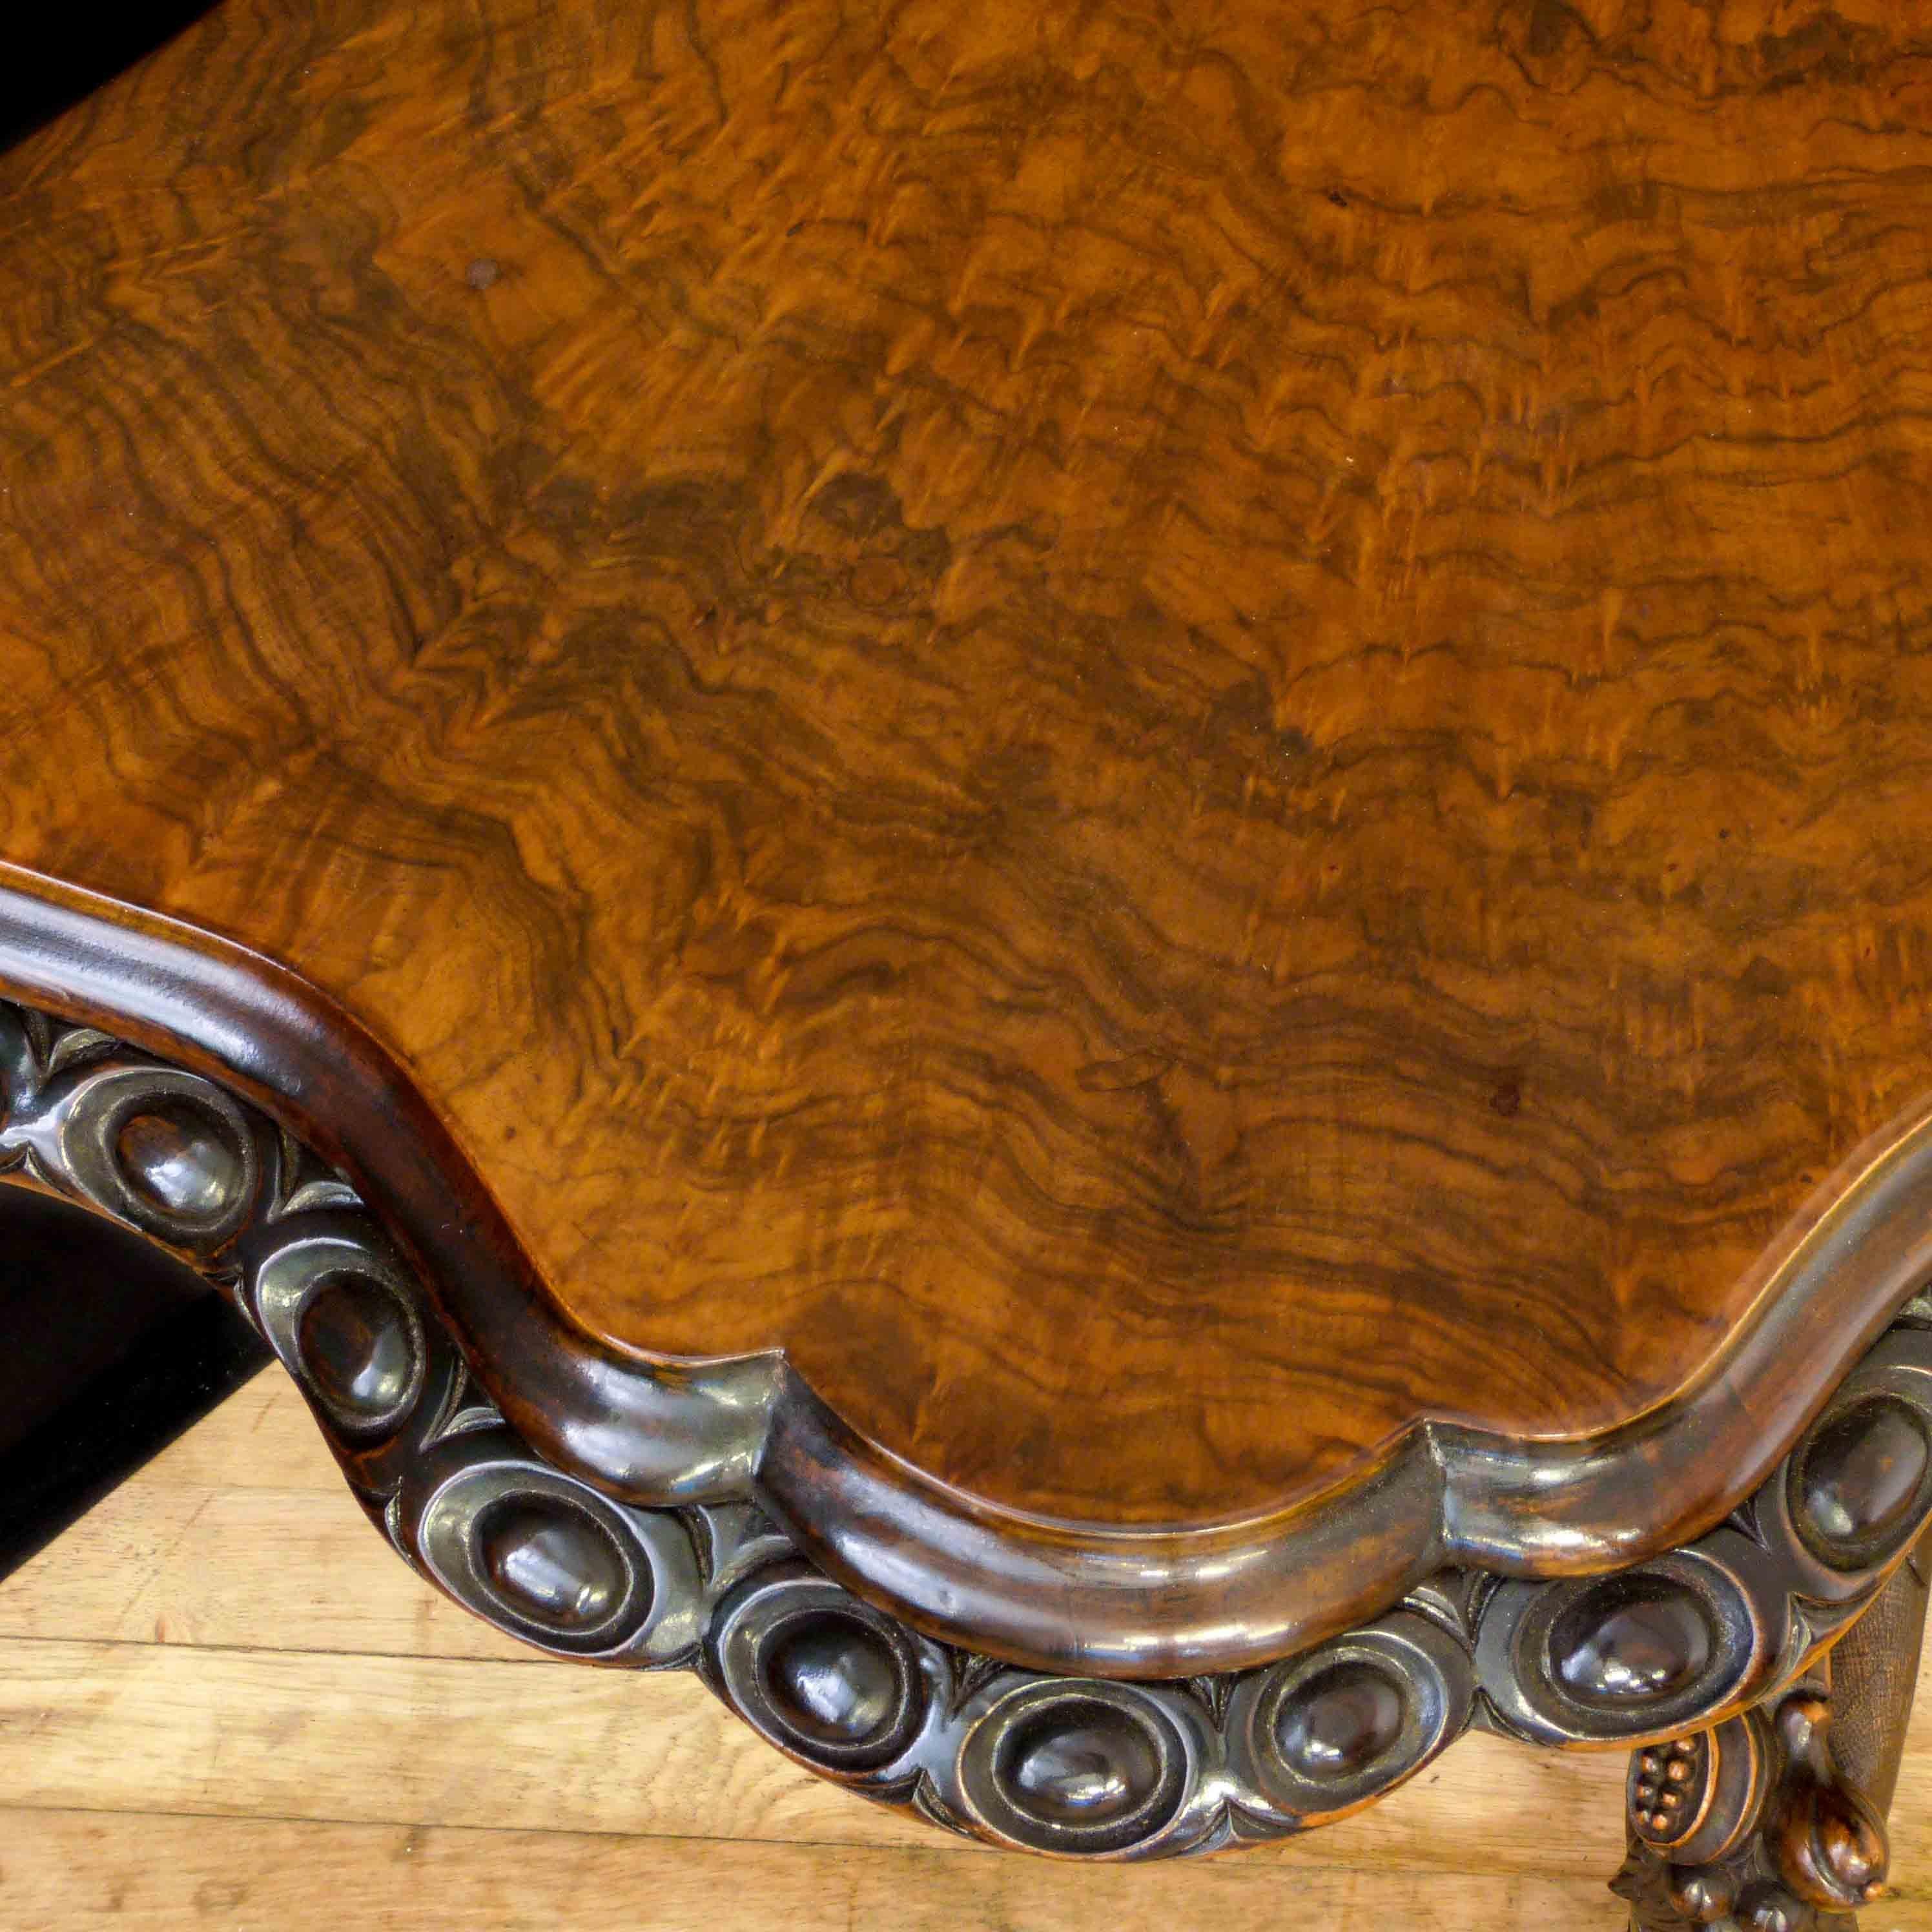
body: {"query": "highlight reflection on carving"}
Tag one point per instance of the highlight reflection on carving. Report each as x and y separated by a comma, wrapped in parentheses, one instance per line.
(1079, 1767)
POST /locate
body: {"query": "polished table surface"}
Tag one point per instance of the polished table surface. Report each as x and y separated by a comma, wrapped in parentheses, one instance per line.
(1176, 737)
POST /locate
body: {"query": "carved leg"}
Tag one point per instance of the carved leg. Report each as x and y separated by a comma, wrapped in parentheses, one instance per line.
(1773, 1821)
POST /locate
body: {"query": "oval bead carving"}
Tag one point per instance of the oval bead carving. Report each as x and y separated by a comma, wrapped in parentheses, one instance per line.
(1857, 1480)
(1340, 1723)
(832, 1678)
(178, 1159)
(552, 1564)
(1631, 1639)
(546, 1558)
(826, 1677)
(1323, 1732)
(358, 1348)
(1082, 1763)
(1087, 1768)
(164, 1149)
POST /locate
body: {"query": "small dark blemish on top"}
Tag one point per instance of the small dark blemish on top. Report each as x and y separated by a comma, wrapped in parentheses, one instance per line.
(482, 274)
(1340, 199)
(1507, 1099)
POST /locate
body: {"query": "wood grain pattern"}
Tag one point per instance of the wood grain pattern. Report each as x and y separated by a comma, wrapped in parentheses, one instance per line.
(1170, 732)
(65, 1871)
(244, 1777)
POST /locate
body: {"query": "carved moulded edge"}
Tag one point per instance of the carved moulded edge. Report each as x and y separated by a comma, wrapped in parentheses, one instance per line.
(1073, 1765)
(1126, 1604)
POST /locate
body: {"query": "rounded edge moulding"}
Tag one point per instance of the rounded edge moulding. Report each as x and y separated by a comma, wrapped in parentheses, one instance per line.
(1057, 1595)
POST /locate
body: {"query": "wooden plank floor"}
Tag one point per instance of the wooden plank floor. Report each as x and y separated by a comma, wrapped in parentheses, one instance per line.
(224, 1704)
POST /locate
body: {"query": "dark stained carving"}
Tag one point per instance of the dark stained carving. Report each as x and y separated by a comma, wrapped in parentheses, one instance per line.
(1751, 1827)
(1322, 1733)
(1774, 1821)
(1344, 1722)
(1632, 1640)
(1082, 1770)
(829, 1678)
(1866, 1472)
(1077, 1765)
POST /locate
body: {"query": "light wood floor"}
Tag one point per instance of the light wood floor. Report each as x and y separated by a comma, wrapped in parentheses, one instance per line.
(223, 1704)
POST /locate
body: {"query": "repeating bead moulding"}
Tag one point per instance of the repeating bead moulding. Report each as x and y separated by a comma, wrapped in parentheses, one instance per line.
(1084, 1767)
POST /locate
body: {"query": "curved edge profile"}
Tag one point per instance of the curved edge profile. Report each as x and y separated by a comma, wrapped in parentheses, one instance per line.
(1114, 1603)
(1078, 1766)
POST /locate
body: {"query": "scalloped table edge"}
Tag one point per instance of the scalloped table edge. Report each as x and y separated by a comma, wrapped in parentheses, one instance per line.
(1052, 1595)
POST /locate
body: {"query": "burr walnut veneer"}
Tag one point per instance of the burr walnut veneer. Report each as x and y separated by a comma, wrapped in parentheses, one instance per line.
(1060, 873)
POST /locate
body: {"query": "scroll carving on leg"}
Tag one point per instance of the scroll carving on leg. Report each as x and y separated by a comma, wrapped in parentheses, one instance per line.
(1774, 1820)
(1751, 1827)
